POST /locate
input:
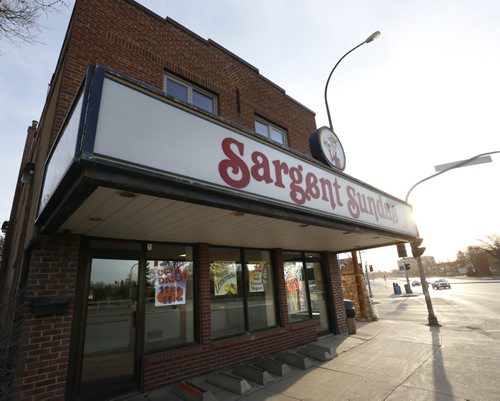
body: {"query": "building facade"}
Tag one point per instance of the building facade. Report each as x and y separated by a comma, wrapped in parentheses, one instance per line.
(170, 219)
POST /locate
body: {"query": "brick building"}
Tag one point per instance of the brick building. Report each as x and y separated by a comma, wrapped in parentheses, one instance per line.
(169, 218)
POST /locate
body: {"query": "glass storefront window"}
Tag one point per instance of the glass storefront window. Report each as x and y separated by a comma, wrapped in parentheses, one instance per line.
(260, 285)
(242, 294)
(226, 290)
(169, 314)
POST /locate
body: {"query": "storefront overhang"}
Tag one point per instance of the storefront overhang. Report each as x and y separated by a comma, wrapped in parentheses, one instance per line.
(130, 163)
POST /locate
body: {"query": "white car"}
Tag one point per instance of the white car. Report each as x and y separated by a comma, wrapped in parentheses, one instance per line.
(442, 283)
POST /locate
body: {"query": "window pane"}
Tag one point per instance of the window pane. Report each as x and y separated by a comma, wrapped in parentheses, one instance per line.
(277, 135)
(261, 307)
(226, 290)
(296, 295)
(169, 303)
(317, 294)
(177, 90)
(261, 128)
(109, 348)
(203, 101)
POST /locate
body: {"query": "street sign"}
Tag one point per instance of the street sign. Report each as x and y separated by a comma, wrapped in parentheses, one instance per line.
(449, 166)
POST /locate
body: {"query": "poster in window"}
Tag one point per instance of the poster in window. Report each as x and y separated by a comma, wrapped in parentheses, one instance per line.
(292, 284)
(225, 278)
(170, 285)
(256, 276)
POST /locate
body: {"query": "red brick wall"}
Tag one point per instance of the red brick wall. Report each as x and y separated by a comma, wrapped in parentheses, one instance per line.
(334, 278)
(193, 361)
(123, 36)
(44, 347)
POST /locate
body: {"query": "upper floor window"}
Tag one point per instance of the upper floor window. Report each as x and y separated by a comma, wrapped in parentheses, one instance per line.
(270, 131)
(189, 93)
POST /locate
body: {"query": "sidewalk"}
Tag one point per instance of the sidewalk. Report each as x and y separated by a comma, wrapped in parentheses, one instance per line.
(386, 360)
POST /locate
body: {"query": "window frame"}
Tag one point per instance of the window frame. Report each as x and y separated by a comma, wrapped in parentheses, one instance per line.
(244, 275)
(270, 126)
(194, 300)
(304, 259)
(190, 88)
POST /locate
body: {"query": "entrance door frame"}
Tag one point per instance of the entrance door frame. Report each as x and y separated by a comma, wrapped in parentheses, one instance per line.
(320, 258)
(73, 388)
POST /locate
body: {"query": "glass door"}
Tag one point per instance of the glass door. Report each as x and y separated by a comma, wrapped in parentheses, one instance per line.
(110, 329)
(305, 288)
(317, 294)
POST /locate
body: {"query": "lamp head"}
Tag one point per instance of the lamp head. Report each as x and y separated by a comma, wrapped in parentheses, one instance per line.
(372, 37)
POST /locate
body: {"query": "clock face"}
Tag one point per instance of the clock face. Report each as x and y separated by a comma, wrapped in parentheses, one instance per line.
(326, 147)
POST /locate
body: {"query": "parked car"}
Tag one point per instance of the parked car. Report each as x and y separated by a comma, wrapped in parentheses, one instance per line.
(415, 283)
(442, 283)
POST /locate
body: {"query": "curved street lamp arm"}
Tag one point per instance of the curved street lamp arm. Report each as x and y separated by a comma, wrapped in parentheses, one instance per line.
(328, 81)
(460, 164)
(369, 39)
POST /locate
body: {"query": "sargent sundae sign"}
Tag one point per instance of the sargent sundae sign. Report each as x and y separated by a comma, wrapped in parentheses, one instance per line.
(301, 184)
(155, 135)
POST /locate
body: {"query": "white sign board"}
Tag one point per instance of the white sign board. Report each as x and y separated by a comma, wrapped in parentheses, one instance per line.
(152, 134)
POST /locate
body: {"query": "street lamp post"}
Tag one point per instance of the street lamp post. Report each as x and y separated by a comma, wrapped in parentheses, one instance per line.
(451, 166)
(357, 270)
(369, 39)
(417, 252)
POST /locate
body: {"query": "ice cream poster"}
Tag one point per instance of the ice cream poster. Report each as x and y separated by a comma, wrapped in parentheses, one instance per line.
(170, 286)
(225, 278)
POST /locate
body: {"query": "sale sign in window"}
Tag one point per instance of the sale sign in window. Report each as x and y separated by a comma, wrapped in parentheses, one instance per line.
(170, 284)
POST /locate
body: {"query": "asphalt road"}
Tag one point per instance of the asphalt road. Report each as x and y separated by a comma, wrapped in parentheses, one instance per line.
(469, 304)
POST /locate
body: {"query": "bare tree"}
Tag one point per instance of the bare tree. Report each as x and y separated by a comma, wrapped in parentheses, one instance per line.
(492, 246)
(19, 18)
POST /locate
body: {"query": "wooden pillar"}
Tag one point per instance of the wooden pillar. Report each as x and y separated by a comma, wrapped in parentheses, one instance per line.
(358, 277)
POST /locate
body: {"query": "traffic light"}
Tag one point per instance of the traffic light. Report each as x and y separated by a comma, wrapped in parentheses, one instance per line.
(371, 268)
(407, 266)
(401, 250)
(416, 249)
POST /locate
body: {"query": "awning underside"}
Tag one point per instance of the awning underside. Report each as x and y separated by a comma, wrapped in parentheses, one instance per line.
(111, 213)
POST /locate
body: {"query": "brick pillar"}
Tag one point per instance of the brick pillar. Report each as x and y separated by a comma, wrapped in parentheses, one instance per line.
(45, 340)
(338, 318)
(205, 325)
(277, 257)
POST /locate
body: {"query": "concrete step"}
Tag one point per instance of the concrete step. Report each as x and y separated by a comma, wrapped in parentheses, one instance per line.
(230, 382)
(296, 360)
(277, 368)
(318, 352)
(253, 373)
(188, 391)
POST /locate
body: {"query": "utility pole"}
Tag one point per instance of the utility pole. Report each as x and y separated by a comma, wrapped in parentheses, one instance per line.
(367, 279)
(417, 252)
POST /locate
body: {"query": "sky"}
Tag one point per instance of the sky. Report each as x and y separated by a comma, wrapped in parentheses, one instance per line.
(426, 92)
